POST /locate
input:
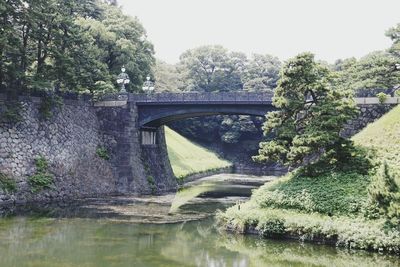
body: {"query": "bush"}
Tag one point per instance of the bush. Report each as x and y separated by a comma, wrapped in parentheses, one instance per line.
(7, 184)
(48, 104)
(42, 179)
(382, 97)
(272, 227)
(384, 196)
(11, 112)
(102, 152)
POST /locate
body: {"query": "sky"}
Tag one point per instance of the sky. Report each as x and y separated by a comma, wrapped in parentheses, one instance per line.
(331, 29)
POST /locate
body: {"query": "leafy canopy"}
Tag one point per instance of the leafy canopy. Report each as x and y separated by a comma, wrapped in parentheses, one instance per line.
(311, 114)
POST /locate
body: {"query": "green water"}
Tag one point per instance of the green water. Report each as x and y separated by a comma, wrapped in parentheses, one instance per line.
(129, 231)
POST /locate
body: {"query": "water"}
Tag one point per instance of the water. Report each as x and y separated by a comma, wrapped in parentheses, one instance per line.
(150, 231)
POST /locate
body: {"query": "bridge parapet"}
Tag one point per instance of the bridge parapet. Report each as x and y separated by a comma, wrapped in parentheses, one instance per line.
(212, 97)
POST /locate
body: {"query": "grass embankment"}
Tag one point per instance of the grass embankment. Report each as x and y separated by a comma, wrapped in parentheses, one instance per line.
(329, 208)
(384, 137)
(188, 158)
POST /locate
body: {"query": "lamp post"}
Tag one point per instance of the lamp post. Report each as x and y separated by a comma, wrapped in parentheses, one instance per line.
(148, 86)
(123, 79)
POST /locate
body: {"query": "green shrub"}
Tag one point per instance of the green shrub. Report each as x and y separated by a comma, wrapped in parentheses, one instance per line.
(152, 183)
(102, 152)
(382, 97)
(272, 227)
(7, 183)
(11, 112)
(48, 104)
(42, 179)
(347, 158)
(384, 196)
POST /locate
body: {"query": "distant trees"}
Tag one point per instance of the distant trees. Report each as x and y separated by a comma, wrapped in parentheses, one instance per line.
(214, 68)
(168, 78)
(262, 73)
(376, 70)
(72, 45)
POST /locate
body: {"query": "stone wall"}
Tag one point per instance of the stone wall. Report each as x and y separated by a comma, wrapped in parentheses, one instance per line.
(69, 141)
(368, 114)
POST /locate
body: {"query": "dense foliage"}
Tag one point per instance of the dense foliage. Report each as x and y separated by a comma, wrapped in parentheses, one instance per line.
(311, 115)
(70, 45)
(376, 70)
(214, 68)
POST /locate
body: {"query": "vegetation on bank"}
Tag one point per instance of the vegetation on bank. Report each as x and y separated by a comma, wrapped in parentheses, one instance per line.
(7, 184)
(383, 136)
(345, 208)
(42, 179)
(346, 192)
(189, 158)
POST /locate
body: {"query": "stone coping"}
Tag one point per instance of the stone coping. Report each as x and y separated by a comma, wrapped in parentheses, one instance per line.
(375, 100)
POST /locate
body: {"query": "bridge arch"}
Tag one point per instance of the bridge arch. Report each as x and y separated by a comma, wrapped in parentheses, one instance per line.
(157, 110)
(158, 115)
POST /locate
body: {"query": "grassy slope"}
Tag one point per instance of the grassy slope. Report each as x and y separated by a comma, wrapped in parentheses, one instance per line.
(187, 157)
(313, 201)
(384, 136)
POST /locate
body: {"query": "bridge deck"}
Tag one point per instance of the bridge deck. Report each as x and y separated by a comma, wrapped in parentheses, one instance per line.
(203, 98)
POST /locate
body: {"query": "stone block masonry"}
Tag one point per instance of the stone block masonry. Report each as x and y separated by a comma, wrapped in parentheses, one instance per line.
(368, 113)
(69, 141)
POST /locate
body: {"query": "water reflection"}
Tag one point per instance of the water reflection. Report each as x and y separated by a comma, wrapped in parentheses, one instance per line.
(106, 232)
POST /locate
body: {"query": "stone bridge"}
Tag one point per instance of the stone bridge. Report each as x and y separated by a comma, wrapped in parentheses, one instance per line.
(159, 109)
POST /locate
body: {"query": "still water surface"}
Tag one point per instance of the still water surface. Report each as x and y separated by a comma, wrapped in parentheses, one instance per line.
(172, 230)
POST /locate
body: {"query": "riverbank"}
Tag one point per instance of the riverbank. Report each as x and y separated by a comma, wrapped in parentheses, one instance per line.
(281, 216)
(191, 161)
(339, 207)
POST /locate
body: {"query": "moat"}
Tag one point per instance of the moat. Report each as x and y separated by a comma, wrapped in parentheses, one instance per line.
(169, 230)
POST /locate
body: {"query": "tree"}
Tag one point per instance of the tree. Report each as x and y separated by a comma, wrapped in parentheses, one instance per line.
(9, 43)
(311, 115)
(70, 45)
(262, 73)
(167, 77)
(211, 68)
(121, 41)
(376, 70)
(394, 34)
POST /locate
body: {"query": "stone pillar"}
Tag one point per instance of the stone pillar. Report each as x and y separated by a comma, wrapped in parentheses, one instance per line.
(139, 169)
(158, 169)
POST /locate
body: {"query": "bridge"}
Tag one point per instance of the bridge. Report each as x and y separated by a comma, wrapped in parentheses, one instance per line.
(159, 109)
(155, 110)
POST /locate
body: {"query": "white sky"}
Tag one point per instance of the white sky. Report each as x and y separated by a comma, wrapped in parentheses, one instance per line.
(331, 29)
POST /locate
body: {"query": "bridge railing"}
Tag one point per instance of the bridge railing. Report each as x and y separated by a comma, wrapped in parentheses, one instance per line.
(202, 97)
